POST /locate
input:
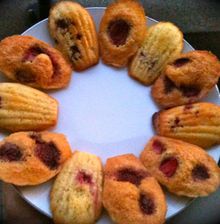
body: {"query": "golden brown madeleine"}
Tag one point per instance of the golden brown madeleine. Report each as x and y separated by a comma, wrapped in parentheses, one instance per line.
(31, 158)
(187, 80)
(76, 196)
(23, 108)
(74, 33)
(130, 194)
(122, 30)
(162, 44)
(195, 69)
(197, 123)
(33, 62)
(185, 169)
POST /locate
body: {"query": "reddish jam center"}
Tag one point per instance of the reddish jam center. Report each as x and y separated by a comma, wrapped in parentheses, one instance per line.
(146, 204)
(190, 91)
(32, 53)
(158, 147)
(200, 172)
(63, 23)
(169, 86)
(168, 166)
(181, 62)
(47, 152)
(187, 91)
(10, 152)
(133, 176)
(118, 31)
(84, 178)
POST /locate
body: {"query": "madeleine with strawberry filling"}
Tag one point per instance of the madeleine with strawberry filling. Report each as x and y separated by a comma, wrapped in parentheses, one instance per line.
(184, 169)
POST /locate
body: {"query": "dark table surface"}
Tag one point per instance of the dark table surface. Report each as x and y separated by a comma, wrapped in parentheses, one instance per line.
(200, 22)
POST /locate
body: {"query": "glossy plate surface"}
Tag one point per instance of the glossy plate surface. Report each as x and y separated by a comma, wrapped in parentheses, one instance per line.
(105, 112)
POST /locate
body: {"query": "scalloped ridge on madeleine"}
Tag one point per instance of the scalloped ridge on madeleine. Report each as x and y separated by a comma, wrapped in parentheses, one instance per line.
(31, 158)
(185, 169)
(74, 32)
(76, 196)
(197, 123)
(162, 44)
(33, 62)
(122, 31)
(23, 108)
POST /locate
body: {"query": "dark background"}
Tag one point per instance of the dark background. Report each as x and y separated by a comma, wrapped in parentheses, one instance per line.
(198, 19)
(200, 22)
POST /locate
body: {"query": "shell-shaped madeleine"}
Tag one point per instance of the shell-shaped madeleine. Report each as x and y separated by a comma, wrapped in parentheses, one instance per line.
(30, 61)
(23, 108)
(187, 79)
(199, 69)
(130, 193)
(74, 33)
(76, 196)
(163, 42)
(31, 158)
(185, 169)
(197, 123)
(122, 31)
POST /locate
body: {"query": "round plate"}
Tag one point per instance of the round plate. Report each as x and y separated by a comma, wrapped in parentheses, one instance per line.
(105, 112)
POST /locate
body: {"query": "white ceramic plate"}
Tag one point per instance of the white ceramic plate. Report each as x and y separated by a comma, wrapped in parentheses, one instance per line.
(105, 112)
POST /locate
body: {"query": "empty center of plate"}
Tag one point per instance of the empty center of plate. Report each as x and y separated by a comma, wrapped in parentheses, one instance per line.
(104, 111)
(104, 106)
